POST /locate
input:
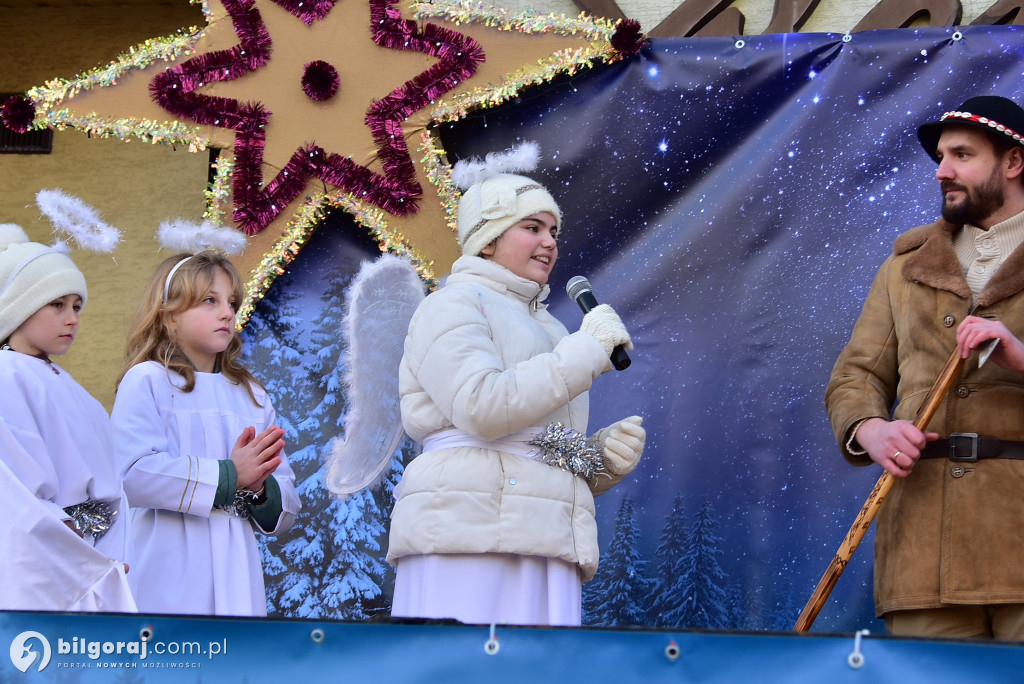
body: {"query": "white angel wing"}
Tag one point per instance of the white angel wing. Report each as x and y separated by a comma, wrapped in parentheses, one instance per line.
(378, 306)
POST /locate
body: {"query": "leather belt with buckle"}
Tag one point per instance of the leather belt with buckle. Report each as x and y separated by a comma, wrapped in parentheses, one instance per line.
(968, 447)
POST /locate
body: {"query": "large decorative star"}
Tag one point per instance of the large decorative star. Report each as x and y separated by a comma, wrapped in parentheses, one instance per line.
(396, 189)
(323, 99)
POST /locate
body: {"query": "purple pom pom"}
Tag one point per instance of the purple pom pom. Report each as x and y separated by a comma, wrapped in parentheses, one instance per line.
(320, 81)
(18, 113)
(628, 39)
(306, 10)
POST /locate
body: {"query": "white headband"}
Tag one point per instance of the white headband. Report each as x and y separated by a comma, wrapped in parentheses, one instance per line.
(167, 283)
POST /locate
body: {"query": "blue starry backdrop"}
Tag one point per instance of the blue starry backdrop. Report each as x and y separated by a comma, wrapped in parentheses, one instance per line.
(731, 199)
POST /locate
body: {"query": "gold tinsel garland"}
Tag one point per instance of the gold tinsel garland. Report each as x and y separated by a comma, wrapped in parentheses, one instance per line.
(567, 61)
(529, 21)
(597, 30)
(218, 193)
(301, 228)
(52, 94)
(147, 130)
(439, 173)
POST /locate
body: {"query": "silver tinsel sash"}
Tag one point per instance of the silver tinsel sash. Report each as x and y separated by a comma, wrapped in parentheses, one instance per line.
(92, 517)
(569, 450)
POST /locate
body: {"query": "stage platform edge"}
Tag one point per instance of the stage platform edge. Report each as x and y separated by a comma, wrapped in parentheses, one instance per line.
(135, 648)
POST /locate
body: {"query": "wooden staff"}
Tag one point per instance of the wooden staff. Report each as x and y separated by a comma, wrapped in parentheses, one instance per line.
(875, 499)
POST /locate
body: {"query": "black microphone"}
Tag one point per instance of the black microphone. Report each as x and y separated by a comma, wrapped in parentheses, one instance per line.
(578, 288)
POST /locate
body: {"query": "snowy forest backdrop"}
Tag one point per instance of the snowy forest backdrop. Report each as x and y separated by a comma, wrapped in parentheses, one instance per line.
(732, 200)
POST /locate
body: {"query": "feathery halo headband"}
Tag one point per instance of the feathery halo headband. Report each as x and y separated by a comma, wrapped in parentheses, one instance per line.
(71, 215)
(75, 218)
(188, 236)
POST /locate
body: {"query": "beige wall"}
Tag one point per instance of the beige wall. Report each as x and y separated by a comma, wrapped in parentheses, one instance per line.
(133, 185)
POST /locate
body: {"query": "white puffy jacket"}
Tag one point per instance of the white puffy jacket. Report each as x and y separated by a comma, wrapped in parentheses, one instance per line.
(483, 355)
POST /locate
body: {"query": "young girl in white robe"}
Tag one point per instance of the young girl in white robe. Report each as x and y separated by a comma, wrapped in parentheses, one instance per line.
(197, 442)
(486, 528)
(63, 530)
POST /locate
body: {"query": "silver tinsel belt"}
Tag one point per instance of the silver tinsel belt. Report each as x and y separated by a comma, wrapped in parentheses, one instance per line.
(92, 517)
(236, 508)
(555, 445)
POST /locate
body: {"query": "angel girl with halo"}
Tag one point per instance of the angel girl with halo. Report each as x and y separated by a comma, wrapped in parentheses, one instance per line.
(197, 440)
(64, 529)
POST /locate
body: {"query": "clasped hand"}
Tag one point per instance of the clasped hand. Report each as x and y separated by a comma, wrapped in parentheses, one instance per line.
(257, 456)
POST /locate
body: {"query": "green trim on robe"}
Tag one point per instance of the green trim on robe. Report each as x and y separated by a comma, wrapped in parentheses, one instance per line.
(266, 514)
(226, 483)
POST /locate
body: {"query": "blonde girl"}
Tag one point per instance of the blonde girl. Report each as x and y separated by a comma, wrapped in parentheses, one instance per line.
(198, 446)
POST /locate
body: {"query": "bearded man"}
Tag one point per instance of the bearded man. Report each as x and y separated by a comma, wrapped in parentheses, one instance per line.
(949, 548)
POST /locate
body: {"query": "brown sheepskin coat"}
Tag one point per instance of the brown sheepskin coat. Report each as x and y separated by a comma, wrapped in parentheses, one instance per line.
(949, 533)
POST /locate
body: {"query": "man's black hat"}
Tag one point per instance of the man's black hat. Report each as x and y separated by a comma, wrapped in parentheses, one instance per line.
(998, 115)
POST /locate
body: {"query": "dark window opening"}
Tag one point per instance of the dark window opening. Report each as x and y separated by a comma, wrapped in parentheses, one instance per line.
(32, 142)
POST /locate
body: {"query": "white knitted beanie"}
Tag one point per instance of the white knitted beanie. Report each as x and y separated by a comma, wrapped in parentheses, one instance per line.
(490, 207)
(495, 196)
(31, 276)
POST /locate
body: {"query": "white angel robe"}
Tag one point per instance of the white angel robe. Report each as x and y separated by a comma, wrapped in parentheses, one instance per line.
(56, 451)
(188, 557)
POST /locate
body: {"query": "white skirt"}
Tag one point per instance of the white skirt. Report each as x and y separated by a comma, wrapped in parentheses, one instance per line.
(486, 588)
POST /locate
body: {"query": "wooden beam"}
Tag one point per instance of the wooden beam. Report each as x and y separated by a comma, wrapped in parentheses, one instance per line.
(1004, 12)
(693, 15)
(789, 15)
(889, 14)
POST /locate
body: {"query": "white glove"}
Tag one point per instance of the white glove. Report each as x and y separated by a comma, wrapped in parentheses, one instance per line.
(623, 443)
(604, 324)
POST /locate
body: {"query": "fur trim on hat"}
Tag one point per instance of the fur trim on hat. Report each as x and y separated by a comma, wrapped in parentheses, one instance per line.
(31, 276)
(516, 159)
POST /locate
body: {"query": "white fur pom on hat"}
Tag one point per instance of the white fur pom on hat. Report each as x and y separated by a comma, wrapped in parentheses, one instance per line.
(31, 276)
(496, 197)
